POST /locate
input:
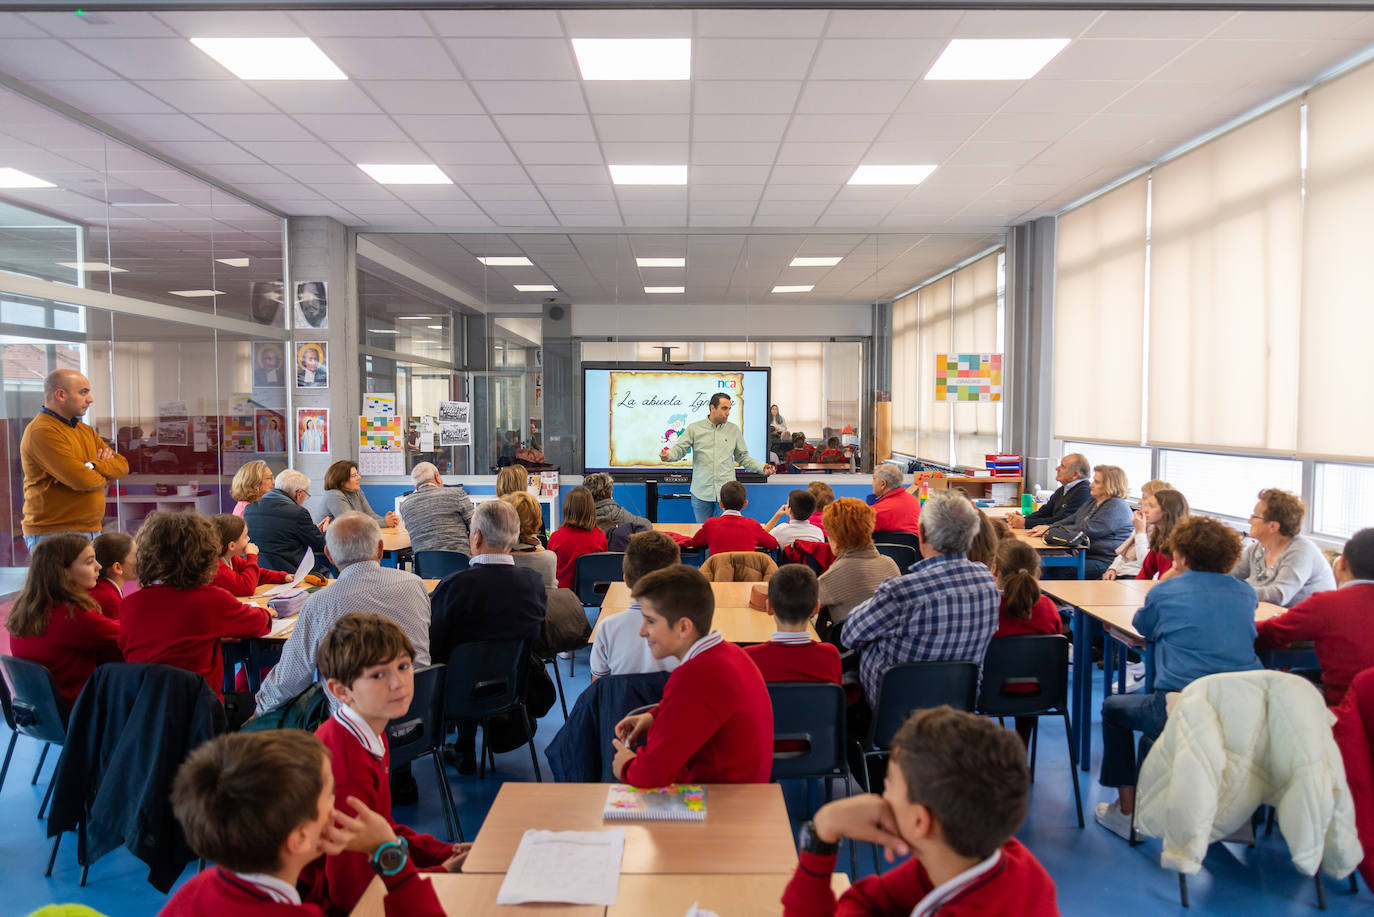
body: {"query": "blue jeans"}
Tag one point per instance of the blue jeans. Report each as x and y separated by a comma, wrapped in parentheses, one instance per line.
(1123, 715)
(702, 510)
(31, 541)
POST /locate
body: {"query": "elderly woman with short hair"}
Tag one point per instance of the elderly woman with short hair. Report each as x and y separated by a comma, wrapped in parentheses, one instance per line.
(858, 568)
(343, 493)
(1105, 520)
(438, 518)
(1282, 564)
(608, 512)
(529, 551)
(281, 525)
(251, 481)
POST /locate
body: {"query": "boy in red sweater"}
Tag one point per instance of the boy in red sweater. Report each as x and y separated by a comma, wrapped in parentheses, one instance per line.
(791, 654)
(715, 722)
(833, 452)
(261, 807)
(115, 553)
(956, 790)
(731, 530)
(237, 572)
(366, 662)
(1336, 620)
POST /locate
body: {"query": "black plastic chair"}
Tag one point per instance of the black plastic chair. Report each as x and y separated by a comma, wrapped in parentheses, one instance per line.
(32, 708)
(439, 564)
(1029, 676)
(809, 714)
(903, 538)
(915, 686)
(904, 555)
(420, 732)
(594, 573)
(485, 679)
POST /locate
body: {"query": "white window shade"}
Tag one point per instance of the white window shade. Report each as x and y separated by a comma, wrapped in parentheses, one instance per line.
(797, 389)
(906, 365)
(934, 329)
(1225, 280)
(1338, 238)
(728, 352)
(1099, 316)
(975, 331)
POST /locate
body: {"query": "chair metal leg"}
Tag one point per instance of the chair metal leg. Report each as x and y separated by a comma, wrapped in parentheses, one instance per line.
(562, 700)
(1321, 891)
(445, 798)
(9, 753)
(482, 756)
(47, 797)
(52, 857)
(1183, 889)
(1073, 769)
(1035, 746)
(41, 758)
(534, 759)
(572, 659)
(1354, 886)
(1269, 822)
(81, 850)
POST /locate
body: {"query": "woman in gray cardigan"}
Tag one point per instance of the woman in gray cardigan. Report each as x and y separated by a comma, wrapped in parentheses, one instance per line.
(343, 493)
(1284, 566)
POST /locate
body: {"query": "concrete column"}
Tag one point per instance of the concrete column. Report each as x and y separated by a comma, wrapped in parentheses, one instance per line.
(562, 390)
(1030, 346)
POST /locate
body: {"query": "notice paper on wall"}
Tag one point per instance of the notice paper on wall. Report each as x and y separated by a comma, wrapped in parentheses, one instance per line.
(427, 425)
(455, 434)
(379, 404)
(564, 867)
(378, 463)
(454, 411)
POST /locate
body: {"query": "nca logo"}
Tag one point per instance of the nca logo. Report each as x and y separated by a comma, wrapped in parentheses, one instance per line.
(726, 383)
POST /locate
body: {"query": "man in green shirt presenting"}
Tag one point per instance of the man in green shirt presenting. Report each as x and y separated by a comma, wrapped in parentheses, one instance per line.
(717, 446)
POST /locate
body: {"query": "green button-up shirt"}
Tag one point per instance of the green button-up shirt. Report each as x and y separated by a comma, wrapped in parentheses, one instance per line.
(715, 452)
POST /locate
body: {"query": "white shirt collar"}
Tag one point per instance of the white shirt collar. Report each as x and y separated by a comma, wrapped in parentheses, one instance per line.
(355, 724)
(494, 559)
(800, 638)
(1356, 582)
(941, 894)
(731, 512)
(705, 643)
(1075, 482)
(274, 888)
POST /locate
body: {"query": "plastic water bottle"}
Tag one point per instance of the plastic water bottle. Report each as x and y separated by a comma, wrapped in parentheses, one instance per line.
(1027, 504)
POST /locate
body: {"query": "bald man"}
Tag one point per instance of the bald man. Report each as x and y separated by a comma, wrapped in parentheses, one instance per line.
(66, 463)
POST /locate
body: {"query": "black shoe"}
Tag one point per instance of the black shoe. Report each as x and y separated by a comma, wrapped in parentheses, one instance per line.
(404, 790)
(464, 759)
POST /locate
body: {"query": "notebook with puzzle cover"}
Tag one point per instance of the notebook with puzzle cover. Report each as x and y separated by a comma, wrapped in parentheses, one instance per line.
(675, 802)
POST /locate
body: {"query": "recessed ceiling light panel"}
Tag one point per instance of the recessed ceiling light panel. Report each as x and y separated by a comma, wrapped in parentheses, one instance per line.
(649, 175)
(994, 58)
(665, 289)
(271, 58)
(536, 288)
(414, 318)
(634, 58)
(794, 288)
(233, 262)
(195, 294)
(13, 178)
(506, 261)
(815, 262)
(94, 267)
(418, 173)
(661, 262)
(890, 175)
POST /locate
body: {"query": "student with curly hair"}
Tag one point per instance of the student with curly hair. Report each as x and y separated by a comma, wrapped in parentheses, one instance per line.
(178, 618)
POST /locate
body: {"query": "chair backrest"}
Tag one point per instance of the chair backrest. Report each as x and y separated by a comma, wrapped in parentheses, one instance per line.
(421, 729)
(34, 702)
(907, 538)
(809, 716)
(904, 555)
(439, 564)
(919, 686)
(1025, 676)
(5, 705)
(739, 567)
(593, 574)
(485, 678)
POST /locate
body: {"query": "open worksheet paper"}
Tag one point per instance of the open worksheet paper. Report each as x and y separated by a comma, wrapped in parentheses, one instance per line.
(565, 867)
(307, 564)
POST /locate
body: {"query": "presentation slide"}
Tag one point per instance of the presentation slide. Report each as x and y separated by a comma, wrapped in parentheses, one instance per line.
(631, 411)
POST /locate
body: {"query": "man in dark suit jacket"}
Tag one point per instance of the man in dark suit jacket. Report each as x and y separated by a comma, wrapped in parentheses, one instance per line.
(282, 528)
(491, 600)
(1072, 475)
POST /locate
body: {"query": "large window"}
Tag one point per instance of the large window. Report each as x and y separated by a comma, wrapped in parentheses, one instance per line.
(1227, 484)
(1344, 496)
(1136, 462)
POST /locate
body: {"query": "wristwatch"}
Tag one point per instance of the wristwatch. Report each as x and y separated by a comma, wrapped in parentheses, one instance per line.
(810, 842)
(390, 858)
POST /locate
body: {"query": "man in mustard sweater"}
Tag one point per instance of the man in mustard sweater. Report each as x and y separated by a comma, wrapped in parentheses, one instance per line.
(66, 463)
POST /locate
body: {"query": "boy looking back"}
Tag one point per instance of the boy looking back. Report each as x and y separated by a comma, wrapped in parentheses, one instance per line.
(715, 722)
(800, 507)
(261, 806)
(618, 649)
(791, 654)
(956, 790)
(731, 530)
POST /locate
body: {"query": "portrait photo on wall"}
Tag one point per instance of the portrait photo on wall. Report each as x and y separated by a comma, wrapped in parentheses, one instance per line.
(312, 365)
(271, 430)
(269, 364)
(312, 430)
(265, 299)
(312, 304)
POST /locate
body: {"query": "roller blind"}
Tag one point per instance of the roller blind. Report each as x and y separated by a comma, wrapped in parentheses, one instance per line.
(1337, 242)
(975, 331)
(797, 386)
(906, 363)
(1099, 314)
(1225, 282)
(933, 337)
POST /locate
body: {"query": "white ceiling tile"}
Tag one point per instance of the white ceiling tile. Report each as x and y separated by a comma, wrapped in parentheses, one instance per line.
(1045, 126)
(496, 23)
(209, 153)
(811, 174)
(723, 207)
(450, 128)
(824, 128)
(230, 23)
(332, 173)
(760, 23)
(784, 219)
(532, 97)
(424, 97)
(557, 153)
(1066, 96)
(592, 220)
(873, 209)
(751, 58)
(293, 152)
(997, 152)
(816, 194)
(317, 96)
(644, 128)
(511, 192)
(546, 128)
(659, 23)
(1024, 23)
(472, 174)
(1160, 97)
(345, 194)
(723, 220)
(702, 193)
(559, 192)
(959, 95)
(412, 194)
(1297, 24)
(514, 58)
(251, 172)
(1112, 59)
(256, 127)
(496, 154)
(639, 96)
(1217, 59)
(16, 25)
(371, 128)
(156, 128)
(47, 58)
(671, 153)
(707, 128)
(105, 96)
(729, 174)
(853, 96)
(745, 97)
(734, 153)
(379, 151)
(821, 153)
(379, 58)
(903, 128)
(912, 151)
(1157, 23)
(151, 58)
(363, 23)
(571, 208)
(123, 25)
(875, 58)
(571, 175)
(209, 96)
(892, 23)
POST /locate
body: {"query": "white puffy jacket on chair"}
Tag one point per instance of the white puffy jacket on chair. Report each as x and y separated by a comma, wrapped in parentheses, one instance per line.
(1235, 742)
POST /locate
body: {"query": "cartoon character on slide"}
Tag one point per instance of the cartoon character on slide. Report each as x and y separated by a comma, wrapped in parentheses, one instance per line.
(676, 424)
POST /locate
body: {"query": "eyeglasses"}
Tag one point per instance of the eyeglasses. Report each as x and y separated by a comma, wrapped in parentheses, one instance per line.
(1254, 518)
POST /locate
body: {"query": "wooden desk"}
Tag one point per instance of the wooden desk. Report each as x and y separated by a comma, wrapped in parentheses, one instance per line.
(735, 620)
(1127, 592)
(395, 538)
(1056, 555)
(685, 529)
(468, 895)
(813, 467)
(746, 830)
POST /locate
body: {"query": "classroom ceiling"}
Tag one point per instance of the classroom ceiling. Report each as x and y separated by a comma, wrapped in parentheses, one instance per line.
(781, 107)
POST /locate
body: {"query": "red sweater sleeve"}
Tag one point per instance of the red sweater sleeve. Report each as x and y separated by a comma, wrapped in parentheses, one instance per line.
(703, 536)
(261, 574)
(683, 722)
(892, 894)
(236, 580)
(240, 620)
(408, 894)
(1304, 621)
(766, 540)
(426, 850)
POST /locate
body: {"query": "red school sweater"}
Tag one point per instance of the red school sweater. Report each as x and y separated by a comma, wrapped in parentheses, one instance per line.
(336, 883)
(568, 544)
(810, 661)
(73, 644)
(714, 724)
(1016, 886)
(1337, 621)
(183, 628)
(245, 576)
(109, 597)
(732, 532)
(217, 892)
(1154, 565)
(1044, 619)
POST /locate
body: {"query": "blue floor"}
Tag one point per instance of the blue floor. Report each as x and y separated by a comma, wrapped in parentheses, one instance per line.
(1093, 868)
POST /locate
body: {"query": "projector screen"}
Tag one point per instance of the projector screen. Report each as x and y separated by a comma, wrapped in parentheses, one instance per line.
(632, 410)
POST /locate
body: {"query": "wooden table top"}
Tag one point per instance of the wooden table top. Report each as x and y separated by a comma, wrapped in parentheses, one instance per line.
(1120, 617)
(395, 538)
(469, 895)
(746, 830)
(685, 529)
(735, 620)
(260, 598)
(1081, 593)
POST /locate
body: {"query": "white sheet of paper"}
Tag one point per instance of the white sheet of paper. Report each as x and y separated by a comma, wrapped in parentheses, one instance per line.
(307, 564)
(279, 626)
(697, 911)
(565, 867)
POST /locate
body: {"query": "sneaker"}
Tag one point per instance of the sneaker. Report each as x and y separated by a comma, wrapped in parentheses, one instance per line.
(1136, 671)
(1110, 816)
(464, 759)
(565, 655)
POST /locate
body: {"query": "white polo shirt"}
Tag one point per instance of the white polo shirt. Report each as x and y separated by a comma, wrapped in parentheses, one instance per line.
(789, 531)
(618, 649)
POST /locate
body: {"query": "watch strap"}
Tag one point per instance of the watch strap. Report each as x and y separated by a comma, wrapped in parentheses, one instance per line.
(390, 857)
(810, 842)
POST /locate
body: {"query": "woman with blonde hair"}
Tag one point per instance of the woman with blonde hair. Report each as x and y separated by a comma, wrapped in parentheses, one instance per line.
(516, 479)
(251, 481)
(858, 569)
(528, 551)
(1104, 522)
(1130, 554)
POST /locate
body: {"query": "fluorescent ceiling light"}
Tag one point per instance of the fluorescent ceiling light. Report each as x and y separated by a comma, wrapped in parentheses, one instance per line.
(95, 267)
(661, 262)
(797, 288)
(13, 178)
(536, 288)
(649, 175)
(414, 318)
(435, 327)
(381, 331)
(665, 289)
(418, 173)
(233, 262)
(815, 262)
(271, 58)
(634, 58)
(890, 175)
(994, 58)
(506, 261)
(193, 294)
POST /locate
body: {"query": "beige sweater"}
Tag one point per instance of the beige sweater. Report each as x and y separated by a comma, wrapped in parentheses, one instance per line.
(853, 578)
(60, 493)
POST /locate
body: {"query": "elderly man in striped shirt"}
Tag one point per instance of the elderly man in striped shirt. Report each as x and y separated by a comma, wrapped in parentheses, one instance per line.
(945, 609)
